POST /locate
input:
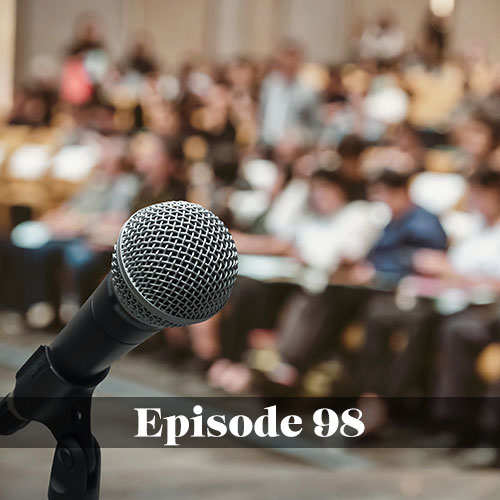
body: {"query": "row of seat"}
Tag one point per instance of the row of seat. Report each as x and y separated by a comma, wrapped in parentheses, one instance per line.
(37, 172)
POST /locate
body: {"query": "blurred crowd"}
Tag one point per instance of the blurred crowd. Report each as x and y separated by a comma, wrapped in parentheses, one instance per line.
(364, 198)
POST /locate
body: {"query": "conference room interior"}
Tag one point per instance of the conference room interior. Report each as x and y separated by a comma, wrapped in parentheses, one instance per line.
(353, 151)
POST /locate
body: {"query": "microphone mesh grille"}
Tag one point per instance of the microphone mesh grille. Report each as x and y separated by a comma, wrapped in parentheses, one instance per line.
(180, 258)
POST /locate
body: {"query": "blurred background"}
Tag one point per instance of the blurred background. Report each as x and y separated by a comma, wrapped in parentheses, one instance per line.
(352, 148)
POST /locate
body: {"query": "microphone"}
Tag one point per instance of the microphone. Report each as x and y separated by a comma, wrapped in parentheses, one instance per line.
(174, 264)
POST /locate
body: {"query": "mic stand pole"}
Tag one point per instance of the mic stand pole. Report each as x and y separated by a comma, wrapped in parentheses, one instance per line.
(43, 395)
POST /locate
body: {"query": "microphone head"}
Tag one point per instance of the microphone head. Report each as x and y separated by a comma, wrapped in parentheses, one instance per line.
(174, 264)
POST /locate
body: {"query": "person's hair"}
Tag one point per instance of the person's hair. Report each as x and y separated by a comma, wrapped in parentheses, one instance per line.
(437, 37)
(392, 178)
(332, 177)
(225, 162)
(242, 60)
(482, 116)
(487, 178)
(351, 146)
(291, 46)
(174, 148)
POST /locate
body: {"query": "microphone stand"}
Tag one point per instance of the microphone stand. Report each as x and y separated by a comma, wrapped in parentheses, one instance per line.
(43, 395)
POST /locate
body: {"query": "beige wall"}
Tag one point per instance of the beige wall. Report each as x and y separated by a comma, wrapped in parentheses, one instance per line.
(320, 25)
(44, 27)
(228, 30)
(409, 13)
(477, 17)
(263, 26)
(7, 48)
(222, 28)
(180, 27)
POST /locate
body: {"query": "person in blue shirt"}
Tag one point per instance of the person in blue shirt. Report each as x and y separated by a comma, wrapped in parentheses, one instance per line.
(411, 228)
(388, 367)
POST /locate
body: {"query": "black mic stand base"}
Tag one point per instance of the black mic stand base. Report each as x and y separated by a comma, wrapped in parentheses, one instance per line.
(43, 395)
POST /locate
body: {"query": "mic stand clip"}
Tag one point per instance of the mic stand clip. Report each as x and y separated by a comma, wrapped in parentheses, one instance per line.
(43, 395)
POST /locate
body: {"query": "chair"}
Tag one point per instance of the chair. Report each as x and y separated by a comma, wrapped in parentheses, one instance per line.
(438, 192)
(71, 167)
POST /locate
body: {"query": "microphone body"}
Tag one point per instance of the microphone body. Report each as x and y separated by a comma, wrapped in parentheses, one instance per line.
(101, 332)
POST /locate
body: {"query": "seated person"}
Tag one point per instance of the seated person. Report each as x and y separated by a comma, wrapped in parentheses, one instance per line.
(472, 262)
(80, 234)
(311, 331)
(159, 164)
(312, 221)
(288, 108)
(320, 231)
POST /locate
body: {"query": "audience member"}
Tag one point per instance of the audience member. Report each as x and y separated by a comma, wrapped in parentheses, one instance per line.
(288, 109)
(79, 234)
(462, 336)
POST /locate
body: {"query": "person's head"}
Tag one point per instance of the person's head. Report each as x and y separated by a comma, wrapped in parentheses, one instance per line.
(485, 193)
(156, 159)
(142, 44)
(142, 54)
(100, 116)
(475, 136)
(289, 59)
(113, 153)
(217, 96)
(351, 146)
(474, 50)
(35, 109)
(225, 162)
(350, 149)
(165, 119)
(327, 192)
(305, 165)
(433, 46)
(87, 29)
(334, 85)
(406, 138)
(391, 187)
(240, 73)
(386, 21)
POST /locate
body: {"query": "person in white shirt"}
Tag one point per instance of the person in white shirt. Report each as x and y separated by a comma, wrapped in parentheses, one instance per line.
(383, 40)
(474, 259)
(312, 221)
(288, 108)
(320, 229)
(473, 262)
